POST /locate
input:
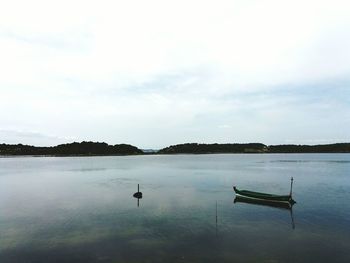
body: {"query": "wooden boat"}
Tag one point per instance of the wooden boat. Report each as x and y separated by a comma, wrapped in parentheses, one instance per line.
(266, 197)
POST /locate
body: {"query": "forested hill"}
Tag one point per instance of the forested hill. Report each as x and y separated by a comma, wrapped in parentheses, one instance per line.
(322, 148)
(83, 148)
(98, 148)
(215, 148)
(196, 148)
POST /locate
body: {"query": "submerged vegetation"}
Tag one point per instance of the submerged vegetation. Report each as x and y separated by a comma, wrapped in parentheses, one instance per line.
(98, 148)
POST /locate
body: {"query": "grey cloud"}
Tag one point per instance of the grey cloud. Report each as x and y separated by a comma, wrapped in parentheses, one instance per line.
(13, 136)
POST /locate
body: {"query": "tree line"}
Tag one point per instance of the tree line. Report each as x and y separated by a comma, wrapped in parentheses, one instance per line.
(75, 148)
(100, 148)
(255, 148)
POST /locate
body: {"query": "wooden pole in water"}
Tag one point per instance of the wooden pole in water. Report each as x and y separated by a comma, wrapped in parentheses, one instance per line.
(216, 218)
(291, 186)
(138, 188)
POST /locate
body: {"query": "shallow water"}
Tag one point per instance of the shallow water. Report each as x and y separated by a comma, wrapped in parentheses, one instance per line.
(81, 209)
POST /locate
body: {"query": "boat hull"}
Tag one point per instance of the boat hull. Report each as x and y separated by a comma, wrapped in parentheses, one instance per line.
(264, 196)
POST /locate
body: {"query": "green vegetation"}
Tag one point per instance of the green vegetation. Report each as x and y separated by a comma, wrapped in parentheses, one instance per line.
(215, 148)
(196, 148)
(73, 149)
(325, 148)
(97, 148)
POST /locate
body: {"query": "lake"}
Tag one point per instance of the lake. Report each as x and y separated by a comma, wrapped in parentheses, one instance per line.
(82, 209)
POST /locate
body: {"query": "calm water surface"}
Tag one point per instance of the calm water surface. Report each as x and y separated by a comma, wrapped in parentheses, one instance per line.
(81, 209)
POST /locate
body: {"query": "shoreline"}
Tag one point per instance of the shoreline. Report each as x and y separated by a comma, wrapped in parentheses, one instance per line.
(166, 154)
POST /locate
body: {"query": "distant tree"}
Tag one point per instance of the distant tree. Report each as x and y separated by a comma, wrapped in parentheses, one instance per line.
(215, 148)
(75, 148)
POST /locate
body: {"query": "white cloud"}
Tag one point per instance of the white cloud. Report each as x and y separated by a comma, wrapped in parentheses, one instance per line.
(30, 137)
(137, 71)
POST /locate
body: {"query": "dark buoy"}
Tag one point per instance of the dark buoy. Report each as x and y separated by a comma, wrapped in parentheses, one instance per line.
(138, 194)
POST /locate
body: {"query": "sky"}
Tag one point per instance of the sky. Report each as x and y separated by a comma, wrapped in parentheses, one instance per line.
(157, 73)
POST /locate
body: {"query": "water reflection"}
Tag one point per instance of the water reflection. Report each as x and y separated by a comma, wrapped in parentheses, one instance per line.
(282, 205)
(278, 205)
(82, 210)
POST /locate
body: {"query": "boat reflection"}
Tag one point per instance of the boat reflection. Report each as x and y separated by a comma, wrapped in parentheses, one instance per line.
(279, 205)
(282, 205)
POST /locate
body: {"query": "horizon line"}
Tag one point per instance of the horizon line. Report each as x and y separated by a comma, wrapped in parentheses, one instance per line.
(151, 148)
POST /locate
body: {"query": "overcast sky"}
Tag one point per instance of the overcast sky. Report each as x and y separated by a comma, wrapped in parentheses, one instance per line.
(155, 73)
